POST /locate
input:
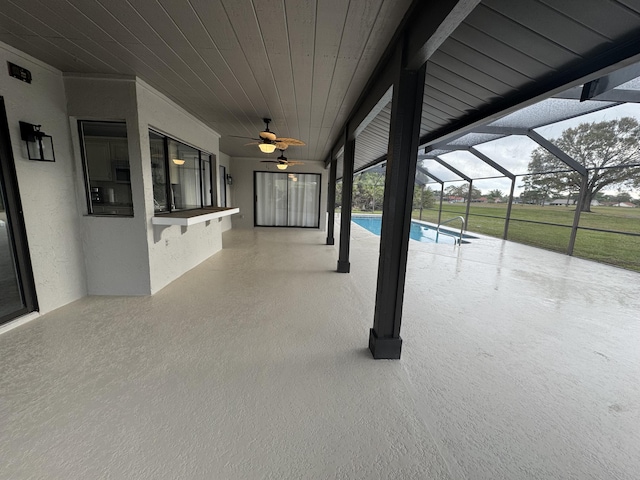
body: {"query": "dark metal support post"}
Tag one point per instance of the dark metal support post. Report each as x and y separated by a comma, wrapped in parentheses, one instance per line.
(331, 202)
(441, 195)
(466, 215)
(576, 217)
(422, 199)
(345, 212)
(506, 220)
(384, 337)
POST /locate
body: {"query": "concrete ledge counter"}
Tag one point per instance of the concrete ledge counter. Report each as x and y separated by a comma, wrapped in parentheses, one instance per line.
(191, 217)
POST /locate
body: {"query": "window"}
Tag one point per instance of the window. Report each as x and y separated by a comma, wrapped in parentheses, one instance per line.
(183, 176)
(287, 199)
(223, 185)
(105, 152)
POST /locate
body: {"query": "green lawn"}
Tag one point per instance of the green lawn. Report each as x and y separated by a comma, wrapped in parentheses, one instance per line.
(612, 248)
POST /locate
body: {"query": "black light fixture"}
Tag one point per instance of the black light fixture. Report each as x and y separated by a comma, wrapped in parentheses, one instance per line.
(229, 180)
(39, 144)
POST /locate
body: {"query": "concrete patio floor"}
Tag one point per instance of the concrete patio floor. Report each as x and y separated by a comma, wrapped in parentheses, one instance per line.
(517, 364)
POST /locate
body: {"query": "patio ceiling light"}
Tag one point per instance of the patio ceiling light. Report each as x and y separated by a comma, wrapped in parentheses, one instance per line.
(267, 147)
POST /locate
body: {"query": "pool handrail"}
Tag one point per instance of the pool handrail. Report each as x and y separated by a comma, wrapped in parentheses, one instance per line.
(448, 221)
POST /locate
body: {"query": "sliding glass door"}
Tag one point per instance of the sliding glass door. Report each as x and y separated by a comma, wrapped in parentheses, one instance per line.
(11, 297)
(17, 291)
(287, 199)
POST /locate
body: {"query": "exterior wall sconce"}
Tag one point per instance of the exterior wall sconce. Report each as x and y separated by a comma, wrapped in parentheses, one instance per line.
(39, 144)
(229, 180)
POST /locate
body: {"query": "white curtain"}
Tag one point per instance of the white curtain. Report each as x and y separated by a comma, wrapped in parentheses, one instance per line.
(304, 200)
(271, 198)
(284, 199)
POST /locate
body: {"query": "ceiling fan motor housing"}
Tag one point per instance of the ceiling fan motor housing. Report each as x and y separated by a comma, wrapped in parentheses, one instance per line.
(267, 134)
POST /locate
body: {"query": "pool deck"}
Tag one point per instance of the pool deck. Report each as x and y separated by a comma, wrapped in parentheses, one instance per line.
(517, 363)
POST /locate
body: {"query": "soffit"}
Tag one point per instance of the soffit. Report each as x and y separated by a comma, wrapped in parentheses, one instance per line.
(228, 62)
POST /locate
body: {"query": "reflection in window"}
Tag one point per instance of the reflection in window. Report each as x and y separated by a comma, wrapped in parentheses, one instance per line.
(106, 163)
(183, 176)
(158, 172)
(184, 165)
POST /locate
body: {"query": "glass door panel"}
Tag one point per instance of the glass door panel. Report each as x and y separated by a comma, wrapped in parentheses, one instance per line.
(271, 199)
(11, 298)
(287, 199)
(304, 200)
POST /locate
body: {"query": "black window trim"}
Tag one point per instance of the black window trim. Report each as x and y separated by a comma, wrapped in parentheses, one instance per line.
(255, 198)
(201, 152)
(85, 168)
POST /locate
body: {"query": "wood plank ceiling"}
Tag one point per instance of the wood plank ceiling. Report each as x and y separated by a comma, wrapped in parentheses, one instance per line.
(302, 63)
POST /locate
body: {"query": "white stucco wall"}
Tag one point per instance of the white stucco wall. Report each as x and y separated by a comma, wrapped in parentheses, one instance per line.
(174, 250)
(243, 169)
(47, 190)
(117, 258)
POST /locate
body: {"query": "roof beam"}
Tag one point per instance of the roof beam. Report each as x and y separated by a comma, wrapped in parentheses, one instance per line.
(491, 163)
(432, 25)
(373, 112)
(454, 170)
(613, 96)
(500, 130)
(555, 151)
(371, 164)
(595, 88)
(430, 175)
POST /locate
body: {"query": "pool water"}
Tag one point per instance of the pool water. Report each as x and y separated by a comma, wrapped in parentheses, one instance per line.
(419, 232)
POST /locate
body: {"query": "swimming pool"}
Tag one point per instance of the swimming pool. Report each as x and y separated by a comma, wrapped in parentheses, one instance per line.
(419, 231)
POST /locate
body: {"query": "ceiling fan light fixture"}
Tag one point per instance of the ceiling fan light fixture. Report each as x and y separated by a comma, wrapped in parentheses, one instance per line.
(267, 147)
(282, 166)
(178, 161)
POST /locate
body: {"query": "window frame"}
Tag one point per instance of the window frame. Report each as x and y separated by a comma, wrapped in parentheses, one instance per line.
(255, 196)
(85, 168)
(202, 154)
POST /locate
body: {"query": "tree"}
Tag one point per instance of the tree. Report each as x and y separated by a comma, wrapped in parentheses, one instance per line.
(422, 197)
(533, 195)
(598, 146)
(495, 195)
(462, 191)
(368, 191)
(622, 197)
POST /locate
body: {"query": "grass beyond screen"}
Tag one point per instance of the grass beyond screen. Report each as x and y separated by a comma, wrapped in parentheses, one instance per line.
(612, 248)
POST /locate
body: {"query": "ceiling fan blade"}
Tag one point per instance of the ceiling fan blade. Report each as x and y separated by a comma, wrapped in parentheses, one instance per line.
(294, 162)
(268, 135)
(291, 141)
(282, 146)
(252, 143)
(269, 161)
